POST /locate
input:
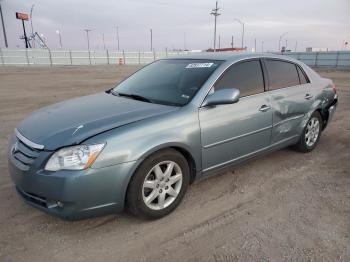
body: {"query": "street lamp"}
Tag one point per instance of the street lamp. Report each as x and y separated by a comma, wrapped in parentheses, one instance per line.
(279, 42)
(151, 39)
(59, 37)
(242, 24)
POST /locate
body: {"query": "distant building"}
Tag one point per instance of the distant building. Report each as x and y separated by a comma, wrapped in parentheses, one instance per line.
(316, 49)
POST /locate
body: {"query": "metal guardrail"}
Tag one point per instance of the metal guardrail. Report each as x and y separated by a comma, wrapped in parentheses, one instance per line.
(46, 57)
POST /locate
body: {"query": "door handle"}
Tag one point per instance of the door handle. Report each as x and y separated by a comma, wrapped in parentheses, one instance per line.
(308, 96)
(264, 108)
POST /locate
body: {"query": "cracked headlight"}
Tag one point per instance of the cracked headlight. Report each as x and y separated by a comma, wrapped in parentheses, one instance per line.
(74, 157)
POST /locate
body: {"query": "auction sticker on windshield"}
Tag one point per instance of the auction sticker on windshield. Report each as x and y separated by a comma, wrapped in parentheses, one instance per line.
(199, 65)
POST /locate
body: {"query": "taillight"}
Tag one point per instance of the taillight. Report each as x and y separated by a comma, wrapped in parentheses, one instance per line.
(334, 88)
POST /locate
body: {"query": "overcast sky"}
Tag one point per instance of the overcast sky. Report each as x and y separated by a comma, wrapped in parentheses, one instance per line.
(316, 23)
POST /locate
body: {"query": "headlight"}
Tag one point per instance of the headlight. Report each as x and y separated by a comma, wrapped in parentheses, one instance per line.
(74, 157)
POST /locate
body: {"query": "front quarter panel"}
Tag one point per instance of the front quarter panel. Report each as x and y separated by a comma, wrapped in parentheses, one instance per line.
(138, 140)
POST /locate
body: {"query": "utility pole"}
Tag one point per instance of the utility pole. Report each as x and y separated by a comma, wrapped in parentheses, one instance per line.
(3, 26)
(88, 42)
(103, 39)
(242, 24)
(254, 44)
(262, 46)
(279, 42)
(232, 41)
(31, 25)
(151, 39)
(286, 43)
(215, 13)
(219, 41)
(185, 41)
(117, 27)
(296, 45)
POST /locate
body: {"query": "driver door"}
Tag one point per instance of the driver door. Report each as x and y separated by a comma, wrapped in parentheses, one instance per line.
(233, 132)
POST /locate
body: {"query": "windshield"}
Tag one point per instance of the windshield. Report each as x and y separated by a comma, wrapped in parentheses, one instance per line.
(169, 82)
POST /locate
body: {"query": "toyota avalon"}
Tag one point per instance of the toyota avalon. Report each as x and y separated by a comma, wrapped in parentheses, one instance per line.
(143, 142)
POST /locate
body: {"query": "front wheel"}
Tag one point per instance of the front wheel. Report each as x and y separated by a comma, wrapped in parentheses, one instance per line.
(311, 133)
(159, 184)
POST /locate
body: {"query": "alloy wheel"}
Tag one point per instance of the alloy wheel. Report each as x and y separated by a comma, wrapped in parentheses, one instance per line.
(162, 185)
(312, 131)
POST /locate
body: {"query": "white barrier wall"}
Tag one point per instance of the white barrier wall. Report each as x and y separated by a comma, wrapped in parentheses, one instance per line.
(335, 59)
(45, 57)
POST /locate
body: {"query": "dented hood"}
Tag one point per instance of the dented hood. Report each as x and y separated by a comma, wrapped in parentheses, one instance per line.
(72, 121)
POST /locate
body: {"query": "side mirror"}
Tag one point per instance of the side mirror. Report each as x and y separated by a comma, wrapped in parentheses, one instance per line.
(222, 97)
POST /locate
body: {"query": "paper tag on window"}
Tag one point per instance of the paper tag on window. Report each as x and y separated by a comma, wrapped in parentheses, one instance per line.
(199, 65)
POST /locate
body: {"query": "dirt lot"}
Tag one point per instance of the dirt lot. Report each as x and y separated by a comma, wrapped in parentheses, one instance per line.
(283, 206)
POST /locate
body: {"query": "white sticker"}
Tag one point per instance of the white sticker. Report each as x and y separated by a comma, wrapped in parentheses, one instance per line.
(199, 65)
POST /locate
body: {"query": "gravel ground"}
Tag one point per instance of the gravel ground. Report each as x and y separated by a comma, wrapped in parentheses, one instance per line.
(282, 206)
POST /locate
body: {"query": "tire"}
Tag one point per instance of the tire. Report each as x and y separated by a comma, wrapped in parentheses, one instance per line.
(152, 180)
(310, 136)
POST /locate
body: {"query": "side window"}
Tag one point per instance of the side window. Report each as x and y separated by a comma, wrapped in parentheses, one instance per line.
(302, 76)
(245, 76)
(281, 74)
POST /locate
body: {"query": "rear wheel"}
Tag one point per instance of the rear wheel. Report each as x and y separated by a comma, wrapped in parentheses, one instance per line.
(159, 184)
(311, 133)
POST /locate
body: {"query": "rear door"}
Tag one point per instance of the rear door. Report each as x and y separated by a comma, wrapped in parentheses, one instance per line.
(232, 132)
(290, 98)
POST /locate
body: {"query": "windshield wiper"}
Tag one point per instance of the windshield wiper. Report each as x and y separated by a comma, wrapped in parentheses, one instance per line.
(133, 96)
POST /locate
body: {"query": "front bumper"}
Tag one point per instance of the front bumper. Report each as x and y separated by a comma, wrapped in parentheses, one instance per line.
(74, 194)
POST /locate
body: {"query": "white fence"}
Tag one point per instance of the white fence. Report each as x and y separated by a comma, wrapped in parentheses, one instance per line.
(337, 59)
(45, 57)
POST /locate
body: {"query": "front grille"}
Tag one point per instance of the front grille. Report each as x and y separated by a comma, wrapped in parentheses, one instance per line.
(23, 154)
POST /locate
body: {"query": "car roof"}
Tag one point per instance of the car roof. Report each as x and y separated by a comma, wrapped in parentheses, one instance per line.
(229, 56)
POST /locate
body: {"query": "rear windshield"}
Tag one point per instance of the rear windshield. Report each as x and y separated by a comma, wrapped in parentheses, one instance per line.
(169, 82)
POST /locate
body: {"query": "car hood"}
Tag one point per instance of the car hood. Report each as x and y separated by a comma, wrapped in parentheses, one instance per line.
(72, 121)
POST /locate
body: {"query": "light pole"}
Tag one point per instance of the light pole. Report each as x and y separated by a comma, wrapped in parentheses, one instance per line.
(3, 26)
(151, 39)
(254, 44)
(185, 41)
(117, 28)
(103, 39)
(279, 42)
(262, 46)
(88, 42)
(59, 38)
(242, 24)
(215, 13)
(31, 25)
